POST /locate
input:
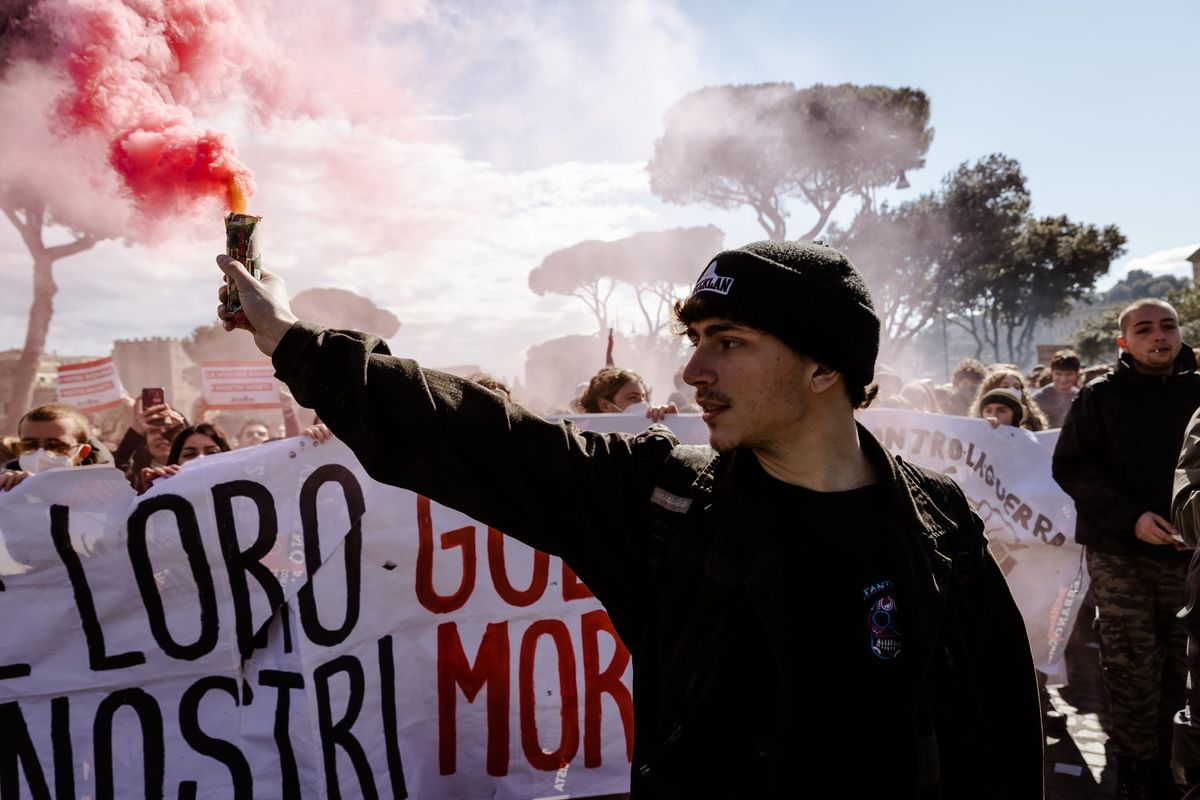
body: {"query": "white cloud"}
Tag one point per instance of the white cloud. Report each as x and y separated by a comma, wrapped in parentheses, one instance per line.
(1171, 261)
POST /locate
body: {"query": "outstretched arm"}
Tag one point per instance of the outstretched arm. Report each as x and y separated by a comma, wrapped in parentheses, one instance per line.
(580, 495)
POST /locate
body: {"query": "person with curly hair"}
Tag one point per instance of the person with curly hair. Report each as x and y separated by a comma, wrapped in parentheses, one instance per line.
(616, 390)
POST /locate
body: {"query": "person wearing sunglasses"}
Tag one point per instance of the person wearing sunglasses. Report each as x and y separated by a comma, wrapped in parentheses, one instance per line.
(49, 437)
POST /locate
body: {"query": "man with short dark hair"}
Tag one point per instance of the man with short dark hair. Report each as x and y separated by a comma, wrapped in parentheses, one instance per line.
(49, 436)
(1055, 398)
(795, 544)
(1116, 458)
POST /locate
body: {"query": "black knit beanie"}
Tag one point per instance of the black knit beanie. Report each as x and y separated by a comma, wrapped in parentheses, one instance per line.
(805, 293)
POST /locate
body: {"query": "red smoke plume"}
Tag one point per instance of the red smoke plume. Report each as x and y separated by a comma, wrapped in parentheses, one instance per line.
(138, 69)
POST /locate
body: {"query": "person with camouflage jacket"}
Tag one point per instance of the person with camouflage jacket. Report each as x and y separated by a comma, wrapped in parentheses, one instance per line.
(1116, 457)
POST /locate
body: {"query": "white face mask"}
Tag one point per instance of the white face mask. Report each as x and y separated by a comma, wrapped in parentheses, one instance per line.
(40, 460)
(636, 408)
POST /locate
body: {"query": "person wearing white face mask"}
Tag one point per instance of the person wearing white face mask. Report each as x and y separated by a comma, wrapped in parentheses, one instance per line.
(614, 390)
(51, 436)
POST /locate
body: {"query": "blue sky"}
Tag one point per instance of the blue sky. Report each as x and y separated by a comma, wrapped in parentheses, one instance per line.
(1094, 99)
(537, 117)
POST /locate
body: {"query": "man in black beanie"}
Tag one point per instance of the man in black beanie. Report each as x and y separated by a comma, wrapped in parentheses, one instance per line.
(802, 608)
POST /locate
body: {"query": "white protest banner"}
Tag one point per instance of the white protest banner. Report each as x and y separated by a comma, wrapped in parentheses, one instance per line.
(239, 385)
(178, 644)
(1028, 519)
(90, 386)
(1005, 473)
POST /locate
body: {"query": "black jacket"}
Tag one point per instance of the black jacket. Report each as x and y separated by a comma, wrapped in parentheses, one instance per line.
(1118, 449)
(729, 696)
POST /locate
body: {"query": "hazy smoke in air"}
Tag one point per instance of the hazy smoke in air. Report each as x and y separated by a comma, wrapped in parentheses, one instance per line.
(124, 79)
(409, 150)
(126, 83)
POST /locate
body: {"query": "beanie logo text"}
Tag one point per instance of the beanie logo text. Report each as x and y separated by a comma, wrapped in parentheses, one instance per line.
(710, 281)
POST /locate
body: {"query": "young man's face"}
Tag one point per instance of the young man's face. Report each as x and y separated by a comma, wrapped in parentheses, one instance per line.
(1151, 337)
(253, 434)
(749, 384)
(1064, 379)
(57, 436)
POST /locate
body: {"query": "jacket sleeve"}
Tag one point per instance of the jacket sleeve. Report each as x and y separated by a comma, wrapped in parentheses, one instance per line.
(131, 442)
(579, 495)
(1080, 467)
(1185, 499)
(1003, 664)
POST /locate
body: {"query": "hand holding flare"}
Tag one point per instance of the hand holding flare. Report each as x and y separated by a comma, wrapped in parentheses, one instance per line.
(241, 241)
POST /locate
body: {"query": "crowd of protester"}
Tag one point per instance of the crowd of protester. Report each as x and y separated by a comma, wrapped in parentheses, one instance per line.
(998, 393)
(156, 441)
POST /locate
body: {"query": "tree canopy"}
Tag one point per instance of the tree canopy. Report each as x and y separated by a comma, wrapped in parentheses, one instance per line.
(342, 308)
(1139, 283)
(972, 252)
(1096, 341)
(904, 254)
(759, 145)
(655, 264)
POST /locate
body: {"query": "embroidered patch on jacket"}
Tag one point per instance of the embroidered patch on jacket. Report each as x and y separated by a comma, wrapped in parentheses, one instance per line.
(882, 622)
(671, 502)
(710, 281)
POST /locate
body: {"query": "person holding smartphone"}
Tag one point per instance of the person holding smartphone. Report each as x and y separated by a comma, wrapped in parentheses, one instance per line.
(147, 442)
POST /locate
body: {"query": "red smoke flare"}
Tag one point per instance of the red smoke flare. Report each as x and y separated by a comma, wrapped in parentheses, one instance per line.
(175, 170)
(137, 69)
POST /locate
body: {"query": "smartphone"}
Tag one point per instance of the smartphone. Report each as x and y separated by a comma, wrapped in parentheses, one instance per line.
(153, 396)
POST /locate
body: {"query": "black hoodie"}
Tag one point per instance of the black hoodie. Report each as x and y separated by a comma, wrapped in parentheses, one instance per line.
(1118, 448)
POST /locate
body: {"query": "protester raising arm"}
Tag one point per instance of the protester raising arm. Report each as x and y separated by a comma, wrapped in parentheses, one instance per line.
(463, 445)
(673, 540)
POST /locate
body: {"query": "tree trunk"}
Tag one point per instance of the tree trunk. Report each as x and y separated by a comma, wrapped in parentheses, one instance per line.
(771, 219)
(822, 218)
(973, 330)
(29, 218)
(651, 328)
(24, 377)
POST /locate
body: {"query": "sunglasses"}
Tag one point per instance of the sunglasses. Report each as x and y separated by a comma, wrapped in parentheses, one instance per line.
(56, 446)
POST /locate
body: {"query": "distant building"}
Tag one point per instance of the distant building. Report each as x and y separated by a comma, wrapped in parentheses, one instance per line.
(156, 361)
(45, 386)
(1195, 259)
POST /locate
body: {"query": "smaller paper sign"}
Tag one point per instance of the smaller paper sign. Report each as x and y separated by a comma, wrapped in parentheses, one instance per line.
(90, 386)
(231, 385)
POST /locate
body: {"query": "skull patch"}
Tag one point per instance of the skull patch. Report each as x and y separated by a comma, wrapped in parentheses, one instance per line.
(882, 622)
